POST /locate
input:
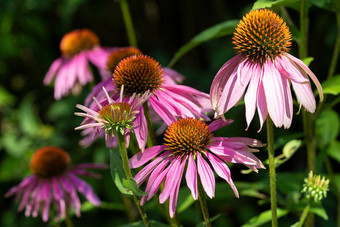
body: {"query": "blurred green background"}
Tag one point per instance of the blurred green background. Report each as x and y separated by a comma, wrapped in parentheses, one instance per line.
(30, 32)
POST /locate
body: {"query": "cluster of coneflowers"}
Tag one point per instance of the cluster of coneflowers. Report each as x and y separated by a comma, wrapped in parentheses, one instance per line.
(136, 91)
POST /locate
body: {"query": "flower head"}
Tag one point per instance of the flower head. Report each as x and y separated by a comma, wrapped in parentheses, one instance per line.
(116, 56)
(315, 187)
(111, 116)
(71, 71)
(54, 182)
(263, 67)
(190, 142)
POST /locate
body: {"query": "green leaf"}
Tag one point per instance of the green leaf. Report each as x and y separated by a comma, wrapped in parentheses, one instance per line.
(28, 117)
(117, 173)
(219, 30)
(327, 127)
(295, 4)
(334, 150)
(6, 98)
(325, 4)
(308, 60)
(319, 210)
(331, 85)
(185, 200)
(290, 148)
(264, 217)
(132, 185)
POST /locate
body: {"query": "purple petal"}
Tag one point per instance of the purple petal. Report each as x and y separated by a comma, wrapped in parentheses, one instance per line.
(171, 76)
(52, 71)
(141, 130)
(305, 96)
(288, 70)
(222, 170)
(206, 176)
(162, 111)
(142, 158)
(261, 105)
(191, 177)
(219, 123)
(288, 100)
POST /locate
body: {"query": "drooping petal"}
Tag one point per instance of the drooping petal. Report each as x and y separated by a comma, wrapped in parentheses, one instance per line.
(141, 130)
(52, 71)
(273, 90)
(172, 76)
(305, 96)
(222, 170)
(304, 69)
(219, 123)
(163, 112)
(141, 158)
(250, 98)
(221, 79)
(171, 177)
(191, 176)
(288, 70)
(174, 194)
(206, 176)
(261, 105)
(288, 100)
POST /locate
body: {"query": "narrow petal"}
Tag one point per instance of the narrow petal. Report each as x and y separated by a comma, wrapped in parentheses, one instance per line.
(261, 105)
(219, 123)
(164, 113)
(222, 170)
(206, 176)
(52, 71)
(141, 129)
(288, 70)
(250, 98)
(288, 100)
(305, 96)
(142, 158)
(273, 90)
(174, 194)
(191, 177)
(304, 68)
(221, 79)
(172, 76)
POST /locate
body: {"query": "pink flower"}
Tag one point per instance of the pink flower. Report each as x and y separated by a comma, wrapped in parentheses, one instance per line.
(264, 67)
(71, 71)
(167, 102)
(190, 142)
(54, 182)
(111, 116)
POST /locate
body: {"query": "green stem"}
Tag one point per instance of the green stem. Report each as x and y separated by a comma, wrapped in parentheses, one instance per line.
(203, 203)
(308, 128)
(151, 134)
(304, 22)
(335, 186)
(272, 177)
(68, 221)
(127, 170)
(335, 56)
(305, 212)
(124, 6)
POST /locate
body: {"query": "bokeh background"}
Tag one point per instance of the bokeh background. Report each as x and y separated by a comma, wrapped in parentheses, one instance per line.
(30, 32)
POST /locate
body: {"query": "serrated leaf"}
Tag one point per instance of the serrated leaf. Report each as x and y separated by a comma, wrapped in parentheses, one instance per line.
(331, 85)
(132, 185)
(327, 127)
(264, 217)
(334, 150)
(219, 30)
(117, 173)
(295, 4)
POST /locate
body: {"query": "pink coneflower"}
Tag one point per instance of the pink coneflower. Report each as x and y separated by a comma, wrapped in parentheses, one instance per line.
(190, 142)
(262, 40)
(71, 71)
(54, 182)
(110, 117)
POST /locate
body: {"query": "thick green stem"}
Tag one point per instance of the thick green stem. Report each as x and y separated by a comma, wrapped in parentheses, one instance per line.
(305, 212)
(203, 203)
(336, 51)
(124, 6)
(151, 134)
(308, 128)
(127, 170)
(272, 177)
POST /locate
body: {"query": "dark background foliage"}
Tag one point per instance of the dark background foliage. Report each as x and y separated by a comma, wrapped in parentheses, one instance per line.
(30, 32)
